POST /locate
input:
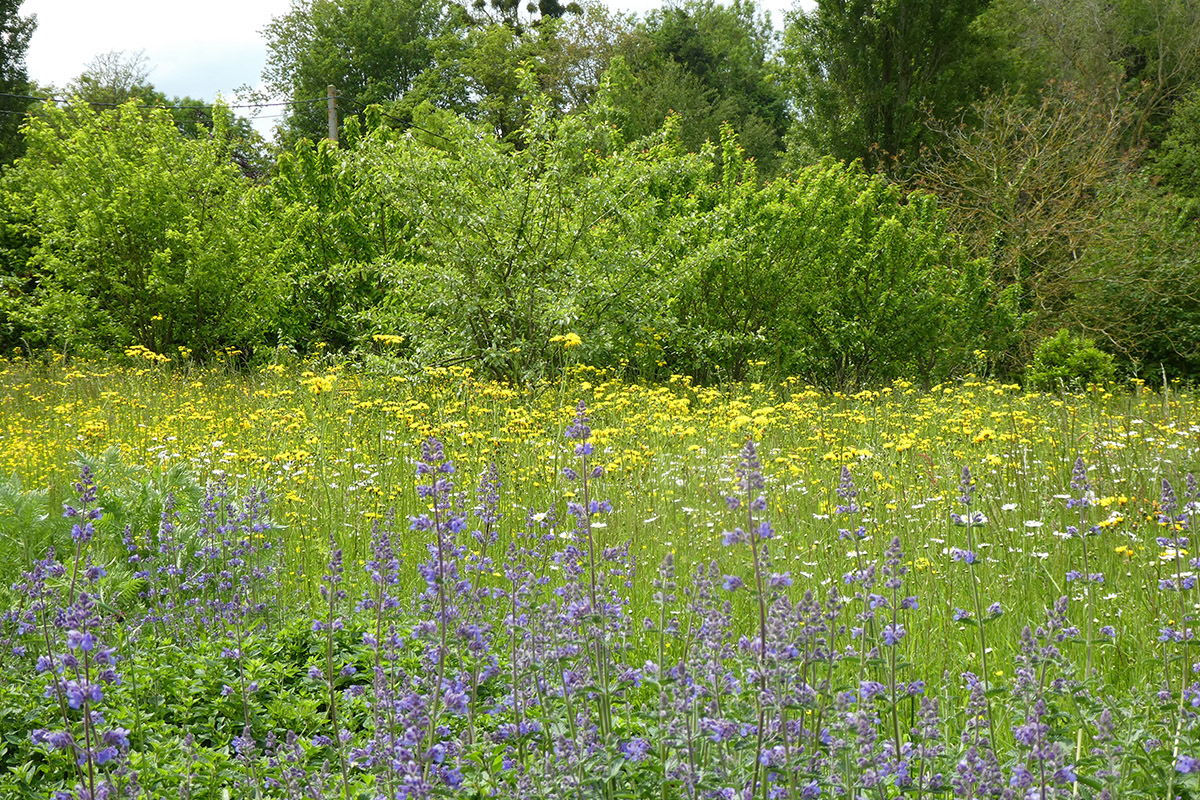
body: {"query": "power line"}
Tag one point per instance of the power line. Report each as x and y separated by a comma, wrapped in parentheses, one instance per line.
(406, 122)
(168, 108)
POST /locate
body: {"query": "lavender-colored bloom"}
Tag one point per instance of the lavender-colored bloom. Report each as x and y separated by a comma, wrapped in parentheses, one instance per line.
(1079, 483)
(965, 556)
(749, 473)
(848, 493)
(972, 519)
(892, 634)
(966, 487)
(635, 750)
(1168, 503)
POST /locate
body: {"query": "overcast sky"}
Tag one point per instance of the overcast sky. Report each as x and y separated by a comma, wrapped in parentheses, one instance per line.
(194, 48)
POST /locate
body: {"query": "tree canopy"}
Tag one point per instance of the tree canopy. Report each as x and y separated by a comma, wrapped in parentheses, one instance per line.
(371, 50)
(886, 188)
(15, 33)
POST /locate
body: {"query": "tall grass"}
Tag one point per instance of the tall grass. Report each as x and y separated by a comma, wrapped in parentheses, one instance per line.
(334, 445)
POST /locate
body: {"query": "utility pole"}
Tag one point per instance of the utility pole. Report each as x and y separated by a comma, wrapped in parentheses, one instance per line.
(331, 108)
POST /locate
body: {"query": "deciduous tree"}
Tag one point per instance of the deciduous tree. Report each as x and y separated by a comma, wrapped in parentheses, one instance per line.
(370, 50)
(15, 32)
(864, 75)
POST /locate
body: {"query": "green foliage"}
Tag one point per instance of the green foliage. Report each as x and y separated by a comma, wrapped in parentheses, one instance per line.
(1068, 361)
(1177, 162)
(332, 227)
(710, 64)
(15, 33)
(864, 75)
(830, 274)
(371, 50)
(114, 78)
(1138, 285)
(137, 235)
(1033, 187)
(27, 523)
(515, 246)
(1147, 47)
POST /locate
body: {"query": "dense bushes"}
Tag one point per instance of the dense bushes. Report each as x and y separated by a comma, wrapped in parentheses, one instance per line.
(460, 248)
(1064, 361)
(134, 234)
(831, 274)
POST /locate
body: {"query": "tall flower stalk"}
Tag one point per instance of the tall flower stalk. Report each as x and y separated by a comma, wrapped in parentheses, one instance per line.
(971, 519)
(583, 510)
(750, 500)
(443, 582)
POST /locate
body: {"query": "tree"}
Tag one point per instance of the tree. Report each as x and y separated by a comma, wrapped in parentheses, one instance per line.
(1030, 187)
(113, 78)
(514, 245)
(137, 235)
(370, 50)
(1177, 161)
(1147, 47)
(516, 15)
(15, 32)
(711, 65)
(864, 75)
(1137, 287)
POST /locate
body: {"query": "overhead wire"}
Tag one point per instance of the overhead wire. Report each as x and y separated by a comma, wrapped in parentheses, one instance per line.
(211, 106)
(361, 106)
(408, 123)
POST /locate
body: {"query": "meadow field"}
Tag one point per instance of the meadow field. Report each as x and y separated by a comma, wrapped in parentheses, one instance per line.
(319, 579)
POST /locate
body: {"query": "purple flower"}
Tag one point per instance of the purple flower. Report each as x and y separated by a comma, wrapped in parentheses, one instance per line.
(966, 487)
(965, 556)
(892, 634)
(635, 750)
(780, 579)
(848, 493)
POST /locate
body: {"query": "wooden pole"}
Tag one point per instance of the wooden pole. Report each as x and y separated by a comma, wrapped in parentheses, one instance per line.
(331, 107)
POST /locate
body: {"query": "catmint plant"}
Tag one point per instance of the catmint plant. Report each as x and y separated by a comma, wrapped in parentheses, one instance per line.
(1082, 499)
(1043, 770)
(79, 667)
(333, 594)
(444, 584)
(970, 520)
(1179, 521)
(864, 576)
(582, 511)
(750, 501)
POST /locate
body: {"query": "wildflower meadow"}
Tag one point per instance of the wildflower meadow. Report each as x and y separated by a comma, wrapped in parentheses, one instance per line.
(318, 579)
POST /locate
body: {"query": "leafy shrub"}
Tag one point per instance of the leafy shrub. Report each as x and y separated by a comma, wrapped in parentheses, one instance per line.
(136, 235)
(1070, 361)
(832, 274)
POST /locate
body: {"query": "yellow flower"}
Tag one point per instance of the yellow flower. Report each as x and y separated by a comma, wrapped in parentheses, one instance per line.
(568, 340)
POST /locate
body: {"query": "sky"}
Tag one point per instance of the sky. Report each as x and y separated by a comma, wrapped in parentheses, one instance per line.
(194, 49)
